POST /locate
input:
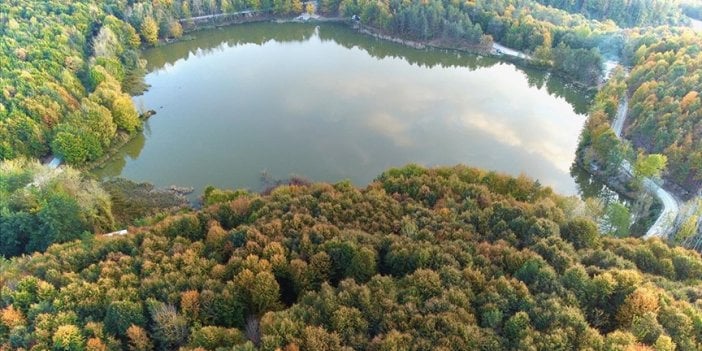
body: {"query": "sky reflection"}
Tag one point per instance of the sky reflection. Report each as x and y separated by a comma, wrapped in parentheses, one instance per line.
(329, 111)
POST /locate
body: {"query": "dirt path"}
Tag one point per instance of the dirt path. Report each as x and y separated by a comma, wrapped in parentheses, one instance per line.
(501, 49)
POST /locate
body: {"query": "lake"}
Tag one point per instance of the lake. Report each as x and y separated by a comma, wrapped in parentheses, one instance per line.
(327, 103)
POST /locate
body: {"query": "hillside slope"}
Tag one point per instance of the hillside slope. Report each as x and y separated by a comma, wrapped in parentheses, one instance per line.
(449, 258)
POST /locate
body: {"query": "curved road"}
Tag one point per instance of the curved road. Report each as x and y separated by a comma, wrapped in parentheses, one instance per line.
(671, 205)
(665, 222)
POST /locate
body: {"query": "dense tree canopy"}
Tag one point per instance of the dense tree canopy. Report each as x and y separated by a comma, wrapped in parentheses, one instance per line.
(554, 37)
(626, 13)
(40, 206)
(664, 110)
(65, 71)
(665, 107)
(450, 258)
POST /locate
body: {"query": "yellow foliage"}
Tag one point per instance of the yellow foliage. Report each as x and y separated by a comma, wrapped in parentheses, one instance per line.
(292, 347)
(664, 343)
(176, 29)
(297, 6)
(149, 30)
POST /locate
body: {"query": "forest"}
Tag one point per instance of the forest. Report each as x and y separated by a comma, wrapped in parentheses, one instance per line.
(664, 107)
(637, 13)
(446, 258)
(40, 206)
(68, 69)
(566, 42)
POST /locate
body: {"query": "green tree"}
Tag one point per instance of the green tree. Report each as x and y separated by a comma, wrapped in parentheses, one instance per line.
(123, 314)
(617, 220)
(649, 166)
(61, 221)
(265, 292)
(581, 232)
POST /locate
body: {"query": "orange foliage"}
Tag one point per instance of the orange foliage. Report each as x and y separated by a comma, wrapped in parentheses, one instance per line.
(138, 339)
(11, 317)
(688, 100)
(95, 344)
(190, 303)
(639, 302)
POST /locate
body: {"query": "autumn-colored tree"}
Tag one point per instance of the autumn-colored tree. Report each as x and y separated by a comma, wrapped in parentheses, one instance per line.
(138, 339)
(664, 343)
(11, 317)
(296, 6)
(637, 304)
(95, 344)
(124, 114)
(190, 304)
(149, 31)
(175, 30)
(68, 338)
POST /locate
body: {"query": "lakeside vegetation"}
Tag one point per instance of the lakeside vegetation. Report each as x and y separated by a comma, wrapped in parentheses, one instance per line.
(555, 38)
(663, 117)
(83, 108)
(40, 206)
(65, 74)
(637, 13)
(422, 258)
(665, 108)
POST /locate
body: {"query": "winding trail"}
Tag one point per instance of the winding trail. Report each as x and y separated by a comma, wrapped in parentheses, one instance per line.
(665, 223)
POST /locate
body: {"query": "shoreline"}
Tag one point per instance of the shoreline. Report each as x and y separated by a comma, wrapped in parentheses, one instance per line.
(496, 50)
(120, 141)
(520, 59)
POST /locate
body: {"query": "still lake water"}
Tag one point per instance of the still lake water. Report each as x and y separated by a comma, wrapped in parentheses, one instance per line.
(329, 104)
